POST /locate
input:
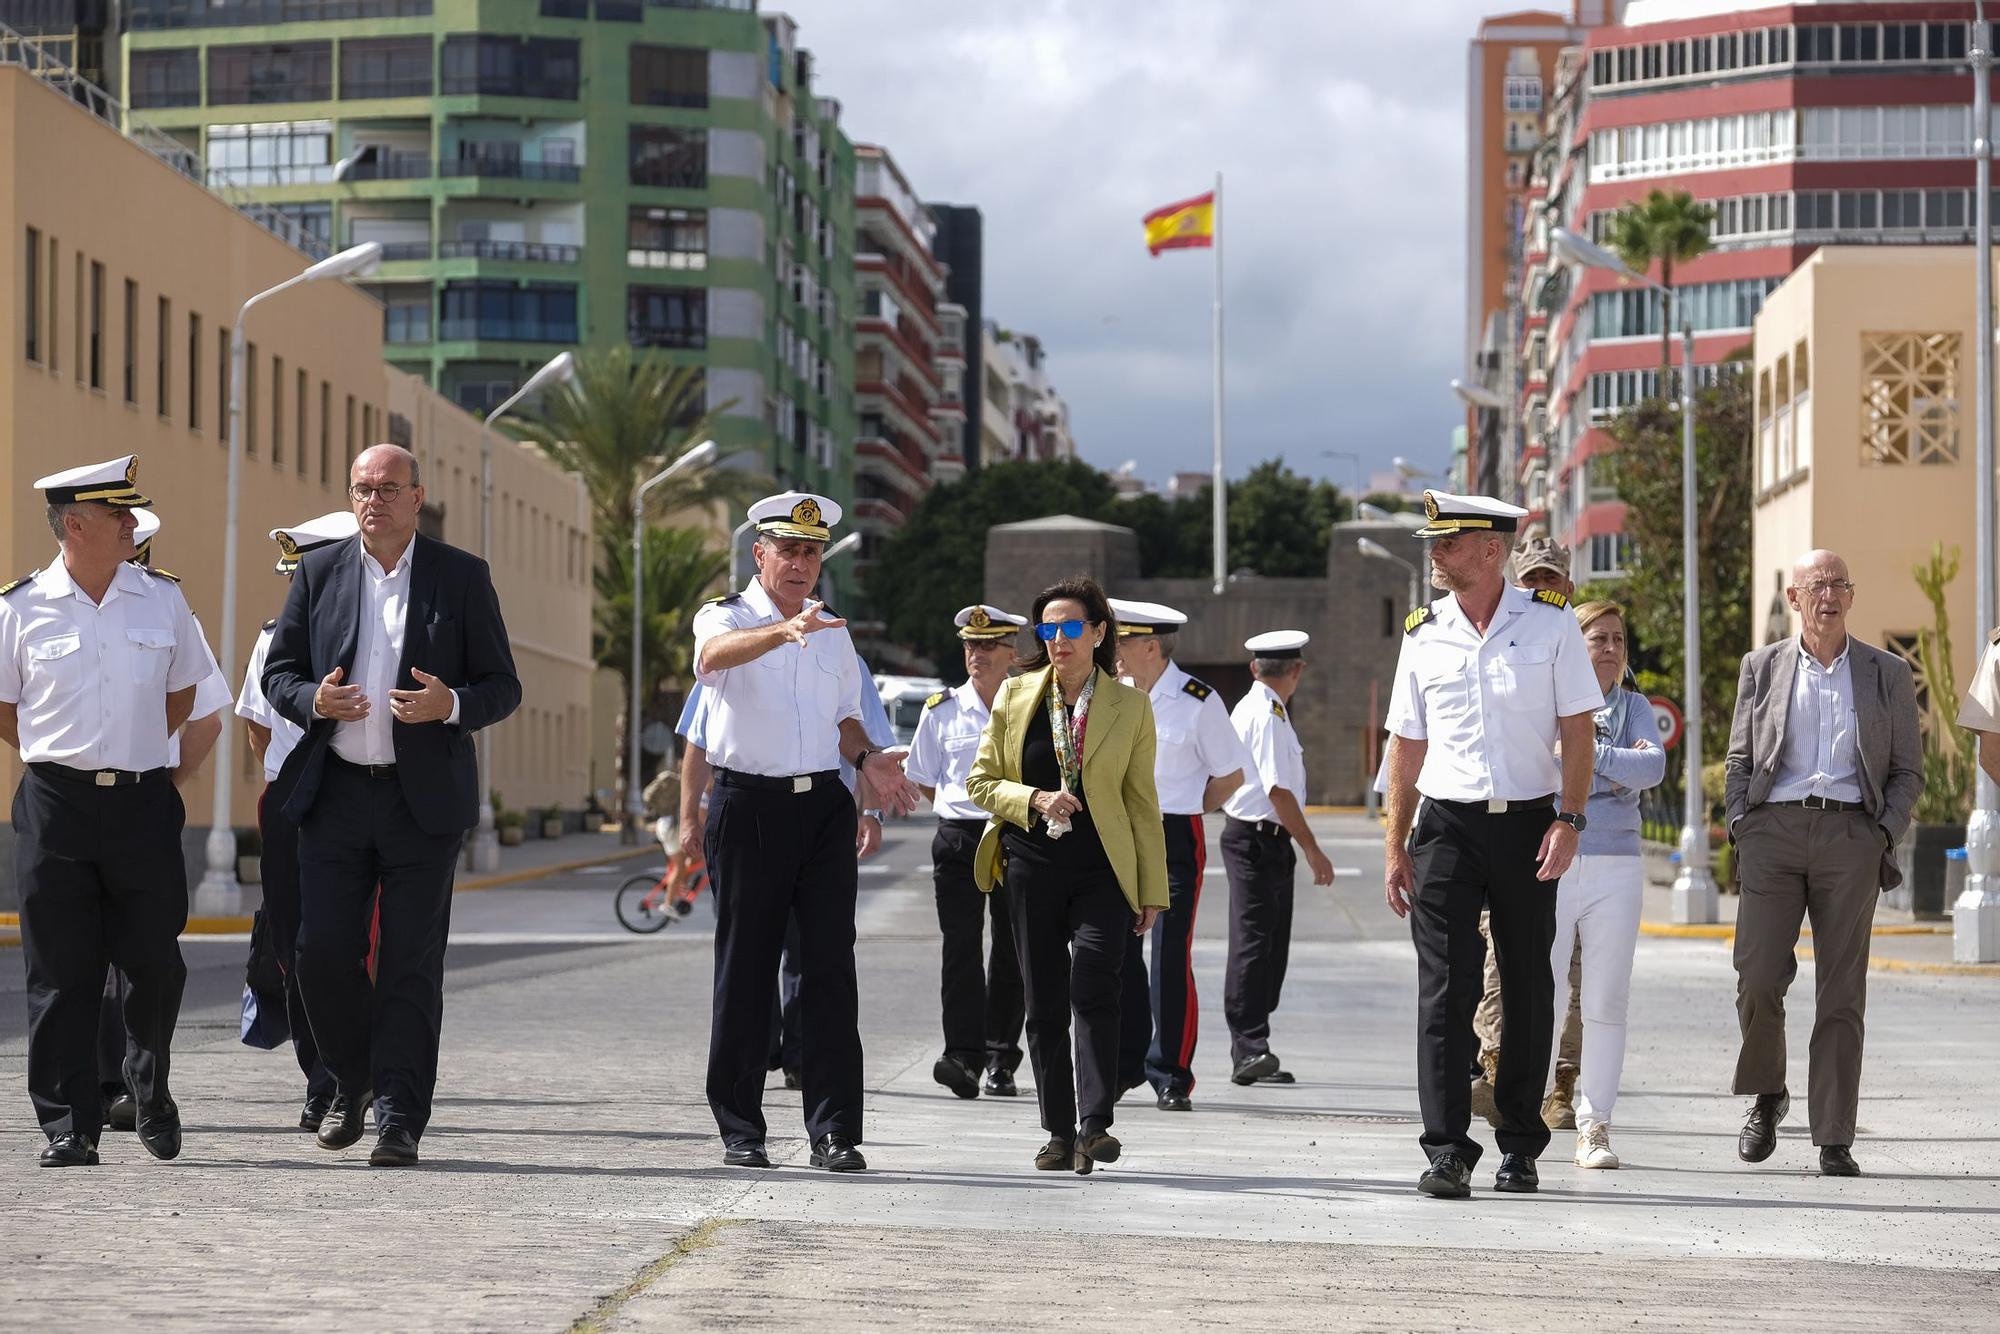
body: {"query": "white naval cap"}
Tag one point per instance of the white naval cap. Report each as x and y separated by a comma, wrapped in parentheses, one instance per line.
(1278, 644)
(796, 514)
(983, 621)
(148, 526)
(296, 542)
(113, 482)
(1145, 618)
(1450, 514)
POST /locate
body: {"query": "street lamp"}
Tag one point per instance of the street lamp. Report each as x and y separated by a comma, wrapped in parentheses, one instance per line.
(1476, 395)
(1694, 888)
(483, 852)
(699, 457)
(1376, 514)
(1368, 546)
(1975, 917)
(736, 553)
(219, 894)
(840, 548)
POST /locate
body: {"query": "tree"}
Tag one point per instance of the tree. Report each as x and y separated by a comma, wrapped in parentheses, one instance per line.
(1950, 756)
(1280, 524)
(682, 564)
(1671, 228)
(1646, 471)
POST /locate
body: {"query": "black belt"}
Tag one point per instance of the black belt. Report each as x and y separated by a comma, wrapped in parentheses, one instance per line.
(1496, 806)
(365, 770)
(1820, 804)
(1268, 828)
(969, 826)
(775, 783)
(94, 777)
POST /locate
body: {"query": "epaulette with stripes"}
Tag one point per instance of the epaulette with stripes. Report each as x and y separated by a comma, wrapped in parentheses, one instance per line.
(271, 624)
(18, 583)
(1196, 688)
(935, 700)
(1415, 619)
(1553, 598)
(723, 600)
(159, 573)
(1278, 711)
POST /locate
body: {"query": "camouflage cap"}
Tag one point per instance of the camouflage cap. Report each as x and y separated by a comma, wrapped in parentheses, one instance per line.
(1541, 553)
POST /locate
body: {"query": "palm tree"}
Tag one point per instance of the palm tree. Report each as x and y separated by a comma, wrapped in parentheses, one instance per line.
(682, 564)
(1671, 228)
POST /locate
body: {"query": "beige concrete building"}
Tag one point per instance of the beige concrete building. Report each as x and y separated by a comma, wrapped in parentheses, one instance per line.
(118, 286)
(1865, 436)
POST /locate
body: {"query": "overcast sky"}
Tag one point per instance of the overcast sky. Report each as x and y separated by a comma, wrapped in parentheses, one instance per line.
(1340, 131)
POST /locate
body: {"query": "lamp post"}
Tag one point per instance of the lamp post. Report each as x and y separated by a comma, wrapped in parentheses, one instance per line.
(698, 457)
(1975, 917)
(1368, 546)
(736, 552)
(483, 852)
(219, 894)
(1694, 897)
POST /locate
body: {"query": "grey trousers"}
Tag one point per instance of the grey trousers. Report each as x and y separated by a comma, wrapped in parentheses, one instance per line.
(1823, 866)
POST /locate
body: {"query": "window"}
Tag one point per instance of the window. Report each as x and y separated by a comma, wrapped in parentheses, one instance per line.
(249, 75)
(666, 238)
(666, 316)
(299, 434)
(406, 318)
(669, 76)
(1522, 93)
(131, 368)
(511, 67)
(325, 431)
(31, 288)
(222, 373)
(280, 153)
(350, 436)
(1909, 398)
(386, 67)
(163, 334)
(96, 325)
(167, 78)
(194, 371)
(668, 156)
(502, 311)
(277, 410)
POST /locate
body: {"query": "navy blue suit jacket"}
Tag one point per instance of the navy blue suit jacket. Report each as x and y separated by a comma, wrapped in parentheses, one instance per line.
(453, 630)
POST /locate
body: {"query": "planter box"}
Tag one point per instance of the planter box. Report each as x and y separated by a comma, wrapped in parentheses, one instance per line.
(552, 826)
(511, 835)
(593, 822)
(1921, 857)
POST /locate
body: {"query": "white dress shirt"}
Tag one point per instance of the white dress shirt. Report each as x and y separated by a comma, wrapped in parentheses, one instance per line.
(1819, 757)
(211, 695)
(252, 705)
(1197, 741)
(779, 714)
(1264, 725)
(1488, 704)
(378, 654)
(90, 680)
(944, 747)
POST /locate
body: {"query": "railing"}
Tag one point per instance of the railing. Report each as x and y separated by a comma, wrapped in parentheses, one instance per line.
(415, 85)
(510, 169)
(396, 168)
(507, 331)
(521, 252)
(393, 251)
(165, 15)
(491, 85)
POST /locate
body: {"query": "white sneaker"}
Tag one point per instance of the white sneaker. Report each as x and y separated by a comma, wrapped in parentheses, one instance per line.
(1593, 1146)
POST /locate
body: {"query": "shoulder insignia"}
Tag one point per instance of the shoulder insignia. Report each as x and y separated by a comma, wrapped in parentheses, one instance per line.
(167, 575)
(1196, 688)
(1993, 638)
(723, 600)
(935, 700)
(1550, 596)
(1415, 619)
(1278, 711)
(11, 585)
(271, 624)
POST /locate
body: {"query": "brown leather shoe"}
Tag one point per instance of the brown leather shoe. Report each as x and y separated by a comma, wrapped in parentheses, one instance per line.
(1055, 1155)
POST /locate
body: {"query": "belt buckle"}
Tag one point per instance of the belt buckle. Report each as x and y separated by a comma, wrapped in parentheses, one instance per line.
(802, 783)
(104, 778)
(1814, 803)
(1495, 806)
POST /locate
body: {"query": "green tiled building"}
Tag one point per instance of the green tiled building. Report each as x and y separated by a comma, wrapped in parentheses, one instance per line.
(544, 174)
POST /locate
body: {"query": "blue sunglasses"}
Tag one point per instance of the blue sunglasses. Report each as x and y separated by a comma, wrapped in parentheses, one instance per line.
(1048, 630)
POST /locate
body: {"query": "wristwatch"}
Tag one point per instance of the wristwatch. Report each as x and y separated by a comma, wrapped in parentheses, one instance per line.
(1574, 819)
(873, 814)
(861, 760)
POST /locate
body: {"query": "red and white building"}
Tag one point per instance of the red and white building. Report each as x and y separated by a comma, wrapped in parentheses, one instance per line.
(1804, 124)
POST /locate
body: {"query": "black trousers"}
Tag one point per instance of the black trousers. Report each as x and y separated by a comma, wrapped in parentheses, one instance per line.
(775, 855)
(1135, 1016)
(785, 1014)
(1072, 933)
(102, 883)
(1261, 862)
(1176, 1008)
(358, 836)
(980, 988)
(279, 867)
(1466, 859)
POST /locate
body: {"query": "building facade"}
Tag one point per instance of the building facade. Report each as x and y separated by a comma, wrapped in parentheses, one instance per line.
(1021, 416)
(961, 247)
(1804, 125)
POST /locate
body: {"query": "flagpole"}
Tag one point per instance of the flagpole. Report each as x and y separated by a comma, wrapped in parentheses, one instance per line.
(1216, 486)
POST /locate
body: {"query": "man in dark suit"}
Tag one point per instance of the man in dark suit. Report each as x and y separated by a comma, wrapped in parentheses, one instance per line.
(391, 653)
(1824, 770)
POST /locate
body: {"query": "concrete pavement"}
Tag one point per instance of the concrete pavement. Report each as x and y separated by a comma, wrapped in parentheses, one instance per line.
(572, 1176)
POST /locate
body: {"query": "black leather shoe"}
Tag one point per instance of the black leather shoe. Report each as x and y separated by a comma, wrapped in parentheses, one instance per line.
(1836, 1161)
(1517, 1174)
(393, 1148)
(1760, 1128)
(160, 1129)
(956, 1075)
(122, 1113)
(70, 1150)
(1000, 1084)
(1278, 1077)
(1099, 1148)
(313, 1114)
(836, 1153)
(345, 1119)
(1175, 1100)
(748, 1154)
(792, 1079)
(1253, 1068)
(1056, 1155)
(1447, 1178)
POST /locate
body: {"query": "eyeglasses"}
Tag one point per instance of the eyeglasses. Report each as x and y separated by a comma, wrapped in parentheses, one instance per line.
(1048, 630)
(387, 492)
(1821, 587)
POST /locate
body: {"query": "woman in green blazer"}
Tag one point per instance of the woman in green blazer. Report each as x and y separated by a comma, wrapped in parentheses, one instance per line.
(1065, 768)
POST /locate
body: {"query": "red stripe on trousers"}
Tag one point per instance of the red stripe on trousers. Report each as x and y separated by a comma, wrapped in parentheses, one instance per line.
(1193, 1005)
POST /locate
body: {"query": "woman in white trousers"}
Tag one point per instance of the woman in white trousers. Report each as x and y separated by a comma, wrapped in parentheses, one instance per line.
(1597, 900)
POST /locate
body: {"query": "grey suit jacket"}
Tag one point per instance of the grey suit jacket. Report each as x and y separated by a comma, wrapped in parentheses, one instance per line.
(1885, 705)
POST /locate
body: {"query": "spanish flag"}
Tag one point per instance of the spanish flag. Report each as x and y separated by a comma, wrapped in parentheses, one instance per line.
(1189, 224)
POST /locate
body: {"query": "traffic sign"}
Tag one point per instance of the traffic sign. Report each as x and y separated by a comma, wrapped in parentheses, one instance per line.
(1668, 715)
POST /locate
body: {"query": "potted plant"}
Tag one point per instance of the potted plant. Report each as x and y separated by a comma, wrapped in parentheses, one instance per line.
(552, 821)
(1949, 757)
(593, 814)
(511, 826)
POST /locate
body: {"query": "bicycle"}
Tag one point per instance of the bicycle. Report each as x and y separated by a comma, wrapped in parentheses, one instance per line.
(647, 903)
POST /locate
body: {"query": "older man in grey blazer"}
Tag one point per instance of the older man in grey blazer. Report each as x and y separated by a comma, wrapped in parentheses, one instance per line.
(1824, 769)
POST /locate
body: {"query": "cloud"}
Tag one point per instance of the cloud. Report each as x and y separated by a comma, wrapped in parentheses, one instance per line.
(1340, 130)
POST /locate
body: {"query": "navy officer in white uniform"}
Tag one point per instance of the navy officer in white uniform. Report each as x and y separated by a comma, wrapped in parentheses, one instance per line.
(1491, 677)
(99, 661)
(982, 998)
(1199, 762)
(780, 840)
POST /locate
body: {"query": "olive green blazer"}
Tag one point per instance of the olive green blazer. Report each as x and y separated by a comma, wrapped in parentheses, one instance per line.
(1118, 790)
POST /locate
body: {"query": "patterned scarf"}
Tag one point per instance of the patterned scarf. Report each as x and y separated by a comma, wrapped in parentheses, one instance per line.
(1066, 727)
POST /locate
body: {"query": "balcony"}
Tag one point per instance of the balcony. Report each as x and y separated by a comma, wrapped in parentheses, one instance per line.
(167, 15)
(514, 252)
(396, 167)
(404, 251)
(354, 90)
(510, 169)
(507, 331)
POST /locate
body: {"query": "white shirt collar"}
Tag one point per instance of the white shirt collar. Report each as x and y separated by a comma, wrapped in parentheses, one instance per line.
(369, 564)
(54, 580)
(968, 696)
(1170, 682)
(1807, 659)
